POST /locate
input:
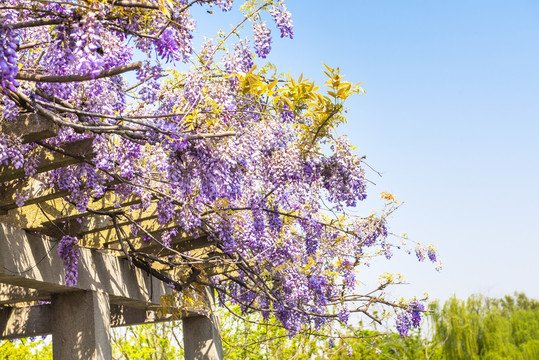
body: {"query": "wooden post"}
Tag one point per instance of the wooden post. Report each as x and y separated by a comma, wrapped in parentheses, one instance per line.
(202, 335)
(81, 326)
(201, 339)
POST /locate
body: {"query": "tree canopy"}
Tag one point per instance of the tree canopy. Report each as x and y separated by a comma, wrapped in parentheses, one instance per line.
(487, 328)
(229, 151)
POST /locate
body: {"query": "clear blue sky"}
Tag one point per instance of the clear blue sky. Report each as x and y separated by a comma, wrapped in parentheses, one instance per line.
(451, 120)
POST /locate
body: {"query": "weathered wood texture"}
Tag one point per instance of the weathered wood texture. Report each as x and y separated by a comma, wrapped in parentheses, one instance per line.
(11, 294)
(30, 127)
(201, 339)
(36, 191)
(25, 321)
(80, 324)
(125, 316)
(202, 335)
(40, 216)
(32, 261)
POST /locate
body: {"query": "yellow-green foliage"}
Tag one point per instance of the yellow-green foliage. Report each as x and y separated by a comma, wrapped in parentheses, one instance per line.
(485, 328)
(317, 113)
(476, 328)
(25, 349)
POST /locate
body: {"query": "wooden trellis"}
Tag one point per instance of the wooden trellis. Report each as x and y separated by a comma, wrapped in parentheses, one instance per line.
(109, 291)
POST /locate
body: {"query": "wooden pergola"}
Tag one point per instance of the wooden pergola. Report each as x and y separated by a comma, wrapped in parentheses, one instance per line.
(110, 292)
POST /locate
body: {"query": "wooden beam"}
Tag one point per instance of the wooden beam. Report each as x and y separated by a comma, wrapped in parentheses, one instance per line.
(49, 161)
(229, 269)
(36, 190)
(32, 261)
(11, 294)
(25, 321)
(39, 216)
(31, 127)
(127, 316)
(178, 243)
(108, 235)
(17, 322)
(56, 216)
(103, 222)
(35, 217)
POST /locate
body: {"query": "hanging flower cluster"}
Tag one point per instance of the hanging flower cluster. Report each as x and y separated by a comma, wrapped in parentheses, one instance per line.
(221, 151)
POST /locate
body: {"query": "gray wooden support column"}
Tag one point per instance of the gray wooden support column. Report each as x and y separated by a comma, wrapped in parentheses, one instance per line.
(201, 339)
(202, 335)
(81, 326)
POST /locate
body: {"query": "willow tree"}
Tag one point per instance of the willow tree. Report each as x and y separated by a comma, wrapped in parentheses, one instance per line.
(225, 151)
(487, 328)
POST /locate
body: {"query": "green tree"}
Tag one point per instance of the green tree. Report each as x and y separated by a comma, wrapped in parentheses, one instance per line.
(486, 328)
(248, 338)
(26, 349)
(148, 342)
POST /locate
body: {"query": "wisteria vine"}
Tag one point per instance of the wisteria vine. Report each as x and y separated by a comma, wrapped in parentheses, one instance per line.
(249, 163)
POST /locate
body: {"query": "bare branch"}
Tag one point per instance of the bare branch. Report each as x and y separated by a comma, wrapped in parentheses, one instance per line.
(137, 4)
(29, 45)
(35, 23)
(71, 78)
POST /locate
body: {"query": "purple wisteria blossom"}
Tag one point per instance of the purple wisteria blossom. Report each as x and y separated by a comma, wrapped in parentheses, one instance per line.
(241, 60)
(8, 56)
(431, 253)
(343, 177)
(410, 318)
(420, 252)
(69, 253)
(225, 5)
(262, 37)
(215, 152)
(283, 19)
